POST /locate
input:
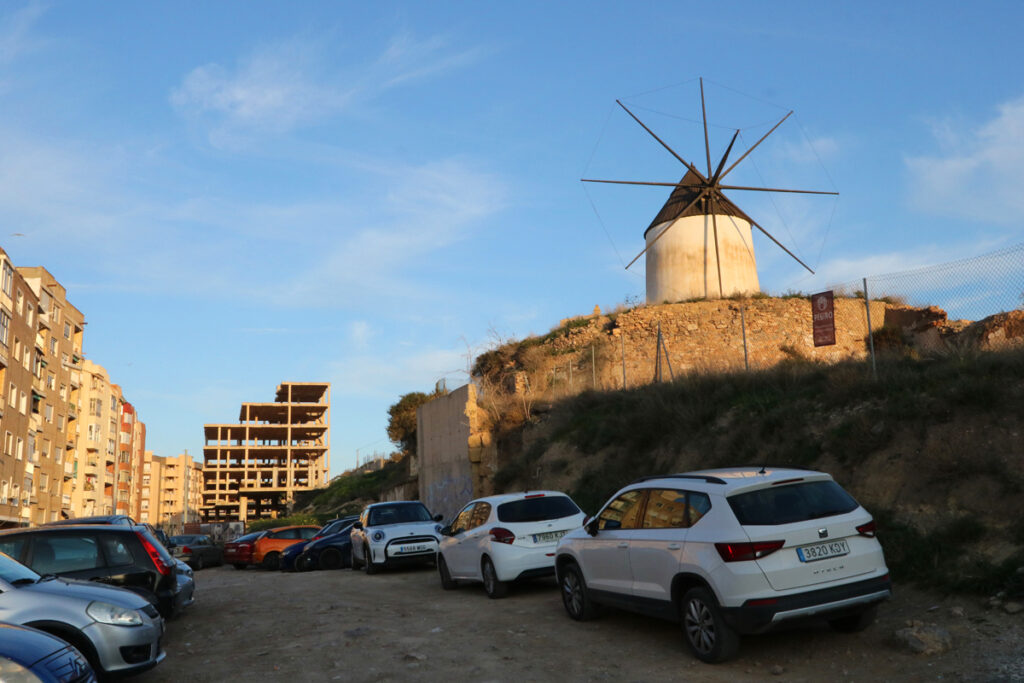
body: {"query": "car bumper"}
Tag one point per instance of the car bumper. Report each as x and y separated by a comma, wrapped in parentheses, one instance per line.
(513, 562)
(390, 557)
(127, 649)
(824, 603)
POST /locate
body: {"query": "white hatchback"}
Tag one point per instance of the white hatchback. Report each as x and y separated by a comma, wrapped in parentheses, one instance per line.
(500, 539)
(394, 533)
(727, 552)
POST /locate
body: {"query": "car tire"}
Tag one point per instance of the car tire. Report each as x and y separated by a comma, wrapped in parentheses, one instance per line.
(368, 566)
(197, 564)
(239, 565)
(447, 582)
(331, 558)
(494, 587)
(854, 623)
(271, 561)
(348, 557)
(708, 636)
(303, 563)
(575, 597)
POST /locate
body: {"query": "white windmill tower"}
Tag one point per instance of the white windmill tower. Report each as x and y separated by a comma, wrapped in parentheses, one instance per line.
(699, 245)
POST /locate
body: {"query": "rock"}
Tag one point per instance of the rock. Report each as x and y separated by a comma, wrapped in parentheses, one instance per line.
(778, 670)
(925, 639)
(414, 657)
(1013, 607)
(956, 611)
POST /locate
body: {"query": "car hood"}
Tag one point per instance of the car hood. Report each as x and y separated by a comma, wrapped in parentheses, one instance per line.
(27, 645)
(87, 590)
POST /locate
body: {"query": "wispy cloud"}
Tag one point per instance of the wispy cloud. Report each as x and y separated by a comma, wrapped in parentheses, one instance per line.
(16, 36)
(294, 83)
(977, 173)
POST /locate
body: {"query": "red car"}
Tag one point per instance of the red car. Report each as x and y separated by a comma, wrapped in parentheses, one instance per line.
(239, 551)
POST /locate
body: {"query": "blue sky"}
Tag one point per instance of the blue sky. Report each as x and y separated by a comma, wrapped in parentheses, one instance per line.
(242, 193)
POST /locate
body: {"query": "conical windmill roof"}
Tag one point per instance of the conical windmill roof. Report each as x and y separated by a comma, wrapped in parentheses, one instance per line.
(681, 197)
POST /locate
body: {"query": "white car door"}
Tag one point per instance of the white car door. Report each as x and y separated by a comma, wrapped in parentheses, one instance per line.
(604, 556)
(656, 550)
(452, 546)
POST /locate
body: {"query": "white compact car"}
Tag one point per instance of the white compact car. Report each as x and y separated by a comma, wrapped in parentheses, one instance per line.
(728, 552)
(503, 538)
(389, 534)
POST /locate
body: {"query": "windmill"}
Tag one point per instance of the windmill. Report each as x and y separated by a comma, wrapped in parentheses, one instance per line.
(699, 245)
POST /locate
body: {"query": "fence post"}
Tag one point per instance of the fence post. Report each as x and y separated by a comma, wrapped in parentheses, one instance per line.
(743, 324)
(871, 334)
(622, 339)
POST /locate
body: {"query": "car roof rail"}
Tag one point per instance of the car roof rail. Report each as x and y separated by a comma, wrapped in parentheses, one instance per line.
(700, 477)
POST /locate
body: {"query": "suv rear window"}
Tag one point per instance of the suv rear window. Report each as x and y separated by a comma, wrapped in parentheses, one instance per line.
(792, 503)
(537, 509)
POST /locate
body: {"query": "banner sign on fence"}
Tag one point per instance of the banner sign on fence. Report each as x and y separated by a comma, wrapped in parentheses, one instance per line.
(823, 318)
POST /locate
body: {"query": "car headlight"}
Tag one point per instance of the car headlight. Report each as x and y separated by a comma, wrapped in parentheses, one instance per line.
(12, 672)
(437, 528)
(378, 536)
(105, 613)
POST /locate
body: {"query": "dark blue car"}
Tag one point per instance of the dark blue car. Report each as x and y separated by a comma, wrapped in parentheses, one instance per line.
(329, 551)
(31, 655)
(290, 556)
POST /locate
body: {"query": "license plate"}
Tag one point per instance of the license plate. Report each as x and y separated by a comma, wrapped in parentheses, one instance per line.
(548, 536)
(418, 548)
(822, 551)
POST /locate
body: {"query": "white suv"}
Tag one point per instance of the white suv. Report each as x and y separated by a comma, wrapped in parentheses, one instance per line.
(389, 534)
(500, 539)
(727, 552)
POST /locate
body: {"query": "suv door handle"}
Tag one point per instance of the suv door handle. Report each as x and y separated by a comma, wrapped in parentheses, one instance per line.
(623, 544)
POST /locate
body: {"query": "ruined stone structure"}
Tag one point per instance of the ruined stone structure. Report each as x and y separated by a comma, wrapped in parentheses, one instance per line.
(454, 451)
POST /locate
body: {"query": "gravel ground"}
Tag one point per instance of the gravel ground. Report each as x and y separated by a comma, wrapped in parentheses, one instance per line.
(400, 626)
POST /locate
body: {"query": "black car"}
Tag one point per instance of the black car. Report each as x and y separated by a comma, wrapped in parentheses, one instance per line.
(198, 550)
(128, 557)
(30, 655)
(118, 520)
(329, 551)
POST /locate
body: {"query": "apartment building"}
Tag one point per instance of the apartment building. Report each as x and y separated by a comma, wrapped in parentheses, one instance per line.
(171, 491)
(252, 469)
(110, 436)
(40, 350)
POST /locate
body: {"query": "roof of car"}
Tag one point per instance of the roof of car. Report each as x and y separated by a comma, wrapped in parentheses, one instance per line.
(521, 495)
(73, 528)
(96, 519)
(395, 502)
(732, 479)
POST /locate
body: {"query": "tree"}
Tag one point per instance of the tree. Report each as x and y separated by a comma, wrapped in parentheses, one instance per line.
(402, 419)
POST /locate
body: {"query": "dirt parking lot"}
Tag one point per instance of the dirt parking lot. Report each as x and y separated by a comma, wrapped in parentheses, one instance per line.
(400, 626)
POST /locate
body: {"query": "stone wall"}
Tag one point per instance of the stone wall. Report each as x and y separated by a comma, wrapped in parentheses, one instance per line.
(454, 449)
(701, 336)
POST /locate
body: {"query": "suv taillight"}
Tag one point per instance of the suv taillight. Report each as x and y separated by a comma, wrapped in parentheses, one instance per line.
(868, 529)
(502, 535)
(743, 552)
(159, 562)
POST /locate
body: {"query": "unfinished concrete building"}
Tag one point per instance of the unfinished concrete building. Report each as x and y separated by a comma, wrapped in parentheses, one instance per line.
(253, 469)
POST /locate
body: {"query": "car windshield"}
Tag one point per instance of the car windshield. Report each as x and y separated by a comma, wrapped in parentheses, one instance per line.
(15, 572)
(537, 509)
(792, 503)
(184, 540)
(399, 514)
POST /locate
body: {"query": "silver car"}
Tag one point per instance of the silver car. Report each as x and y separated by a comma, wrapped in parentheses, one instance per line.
(118, 631)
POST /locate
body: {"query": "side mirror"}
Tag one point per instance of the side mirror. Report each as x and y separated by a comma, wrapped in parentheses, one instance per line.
(438, 518)
(357, 525)
(591, 527)
(446, 531)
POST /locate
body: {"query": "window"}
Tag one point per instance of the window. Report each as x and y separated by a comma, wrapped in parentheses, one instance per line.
(113, 403)
(671, 509)
(537, 509)
(63, 392)
(8, 444)
(793, 503)
(67, 330)
(5, 327)
(480, 514)
(53, 345)
(17, 350)
(48, 412)
(59, 553)
(623, 512)
(51, 380)
(8, 278)
(13, 400)
(95, 407)
(19, 451)
(11, 546)
(60, 422)
(94, 432)
(19, 303)
(24, 403)
(64, 358)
